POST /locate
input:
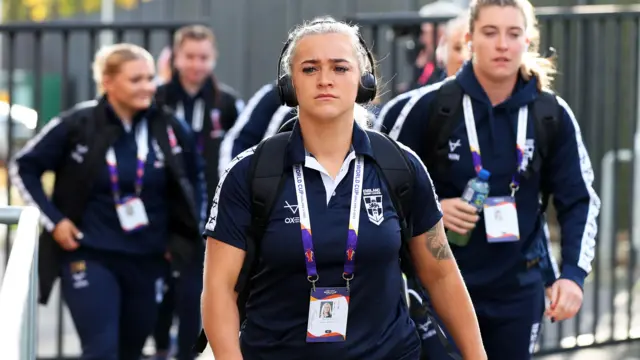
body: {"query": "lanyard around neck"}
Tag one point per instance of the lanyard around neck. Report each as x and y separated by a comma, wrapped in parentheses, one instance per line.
(354, 222)
(142, 143)
(474, 144)
(197, 120)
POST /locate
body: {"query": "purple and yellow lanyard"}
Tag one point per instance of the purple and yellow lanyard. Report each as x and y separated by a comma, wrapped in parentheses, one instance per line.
(142, 143)
(354, 222)
(474, 144)
(197, 121)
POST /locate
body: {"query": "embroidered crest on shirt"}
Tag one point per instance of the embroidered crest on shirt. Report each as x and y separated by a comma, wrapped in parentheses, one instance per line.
(373, 203)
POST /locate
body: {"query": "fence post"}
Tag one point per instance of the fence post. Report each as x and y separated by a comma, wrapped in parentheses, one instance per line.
(18, 294)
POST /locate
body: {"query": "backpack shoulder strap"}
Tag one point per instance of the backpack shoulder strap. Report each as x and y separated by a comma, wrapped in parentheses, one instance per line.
(399, 176)
(547, 113)
(442, 114)
(266, 175)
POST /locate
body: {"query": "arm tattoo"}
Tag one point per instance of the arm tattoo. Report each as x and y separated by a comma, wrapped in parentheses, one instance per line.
(437, 243)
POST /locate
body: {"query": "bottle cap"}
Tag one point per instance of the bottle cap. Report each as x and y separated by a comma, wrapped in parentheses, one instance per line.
(484, 174)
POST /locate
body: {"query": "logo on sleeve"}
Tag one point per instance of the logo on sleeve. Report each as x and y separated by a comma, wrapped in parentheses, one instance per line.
(373, 203)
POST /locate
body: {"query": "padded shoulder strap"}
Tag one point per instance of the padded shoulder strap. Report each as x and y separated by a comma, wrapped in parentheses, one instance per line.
(546, 111)
(442, 114)
(399, 176)
(267, 167)
(266, 176)
(547, 114)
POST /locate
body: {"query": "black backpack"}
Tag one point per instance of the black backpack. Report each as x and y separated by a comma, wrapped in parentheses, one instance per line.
(266, 172)
(448, 107)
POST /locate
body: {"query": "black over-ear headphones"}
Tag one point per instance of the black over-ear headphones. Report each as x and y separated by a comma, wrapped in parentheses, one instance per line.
(367, 89)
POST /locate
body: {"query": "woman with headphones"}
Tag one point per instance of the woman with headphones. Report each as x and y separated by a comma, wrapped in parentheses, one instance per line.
(330, 182)
(497, 114)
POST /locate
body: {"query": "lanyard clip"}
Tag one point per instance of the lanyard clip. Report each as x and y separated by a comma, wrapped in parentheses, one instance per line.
(312, 280)
(514, 189)
(348, 278)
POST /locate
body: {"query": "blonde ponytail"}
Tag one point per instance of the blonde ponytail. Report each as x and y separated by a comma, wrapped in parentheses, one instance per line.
(542, 68)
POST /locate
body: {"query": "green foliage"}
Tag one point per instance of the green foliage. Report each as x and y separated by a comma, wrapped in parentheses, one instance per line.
(42, 10)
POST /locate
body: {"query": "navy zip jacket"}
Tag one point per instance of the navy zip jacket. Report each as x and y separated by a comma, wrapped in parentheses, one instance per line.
(488, 266)
(261, 118)
(74, 146)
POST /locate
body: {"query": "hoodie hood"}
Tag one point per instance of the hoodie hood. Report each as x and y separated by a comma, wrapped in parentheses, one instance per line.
(524, 93)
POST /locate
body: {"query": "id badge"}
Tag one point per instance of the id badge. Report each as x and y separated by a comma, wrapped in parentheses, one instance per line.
(328, 312)
(501, 219)
(132, 214)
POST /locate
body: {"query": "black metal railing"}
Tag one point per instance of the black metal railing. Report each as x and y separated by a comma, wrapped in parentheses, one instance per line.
(598, 53)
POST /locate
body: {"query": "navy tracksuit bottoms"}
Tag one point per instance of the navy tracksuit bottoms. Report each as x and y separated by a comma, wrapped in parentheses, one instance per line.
(509, 324)
(182, 298)
(113, 300)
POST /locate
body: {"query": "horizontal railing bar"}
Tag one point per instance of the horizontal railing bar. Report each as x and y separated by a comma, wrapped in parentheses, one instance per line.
(10, 215)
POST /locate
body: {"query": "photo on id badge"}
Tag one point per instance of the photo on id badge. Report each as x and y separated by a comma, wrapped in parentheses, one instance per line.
(501, 219)
(328, 310)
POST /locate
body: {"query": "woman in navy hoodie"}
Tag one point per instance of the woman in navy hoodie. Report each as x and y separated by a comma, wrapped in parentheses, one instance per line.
(495, 128)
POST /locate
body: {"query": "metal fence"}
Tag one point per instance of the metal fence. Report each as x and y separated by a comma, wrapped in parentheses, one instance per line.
(597, 49)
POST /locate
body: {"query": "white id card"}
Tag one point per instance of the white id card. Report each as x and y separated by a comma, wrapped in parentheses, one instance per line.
(328, 312)
(132, 214)
(501, 219)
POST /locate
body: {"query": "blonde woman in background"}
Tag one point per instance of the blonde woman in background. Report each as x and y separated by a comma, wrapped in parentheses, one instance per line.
(124, 195)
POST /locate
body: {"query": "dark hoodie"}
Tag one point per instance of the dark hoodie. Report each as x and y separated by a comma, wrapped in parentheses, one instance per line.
(486, 266)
